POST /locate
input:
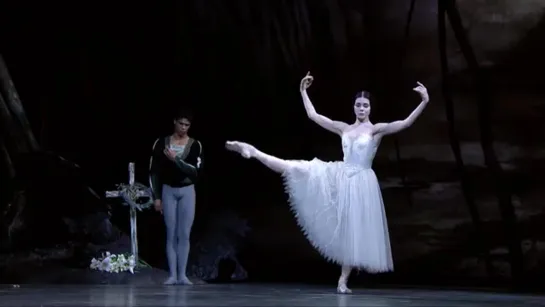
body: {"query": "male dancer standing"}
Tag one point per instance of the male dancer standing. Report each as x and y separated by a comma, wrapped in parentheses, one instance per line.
(175, 165)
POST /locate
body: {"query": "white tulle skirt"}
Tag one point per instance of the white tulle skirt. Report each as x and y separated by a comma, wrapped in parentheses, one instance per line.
(340, 209)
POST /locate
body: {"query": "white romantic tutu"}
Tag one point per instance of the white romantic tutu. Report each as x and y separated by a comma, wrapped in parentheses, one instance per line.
(340, 209)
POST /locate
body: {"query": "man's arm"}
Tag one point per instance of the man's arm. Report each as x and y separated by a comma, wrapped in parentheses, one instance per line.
(155, 169)
(193, 163)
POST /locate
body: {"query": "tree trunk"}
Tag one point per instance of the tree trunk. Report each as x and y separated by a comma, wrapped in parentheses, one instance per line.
(14, 105)
(16, 136)
(7, 161)
(397, 145)
(7, 174)
(485, 126)
(12, 136)
(465, 180)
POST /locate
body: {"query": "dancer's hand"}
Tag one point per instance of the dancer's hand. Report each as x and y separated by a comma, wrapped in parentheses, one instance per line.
(421, 89)
(158, 205)
(171, 154)
(306, 82)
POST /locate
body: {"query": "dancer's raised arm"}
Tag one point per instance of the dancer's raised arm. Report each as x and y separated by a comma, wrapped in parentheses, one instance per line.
(324, 122)
(394, 127)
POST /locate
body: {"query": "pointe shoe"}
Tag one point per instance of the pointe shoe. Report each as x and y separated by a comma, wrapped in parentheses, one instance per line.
(343, 289)
(245, 150)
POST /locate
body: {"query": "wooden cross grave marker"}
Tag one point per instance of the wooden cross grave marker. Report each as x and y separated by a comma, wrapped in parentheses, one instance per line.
(140, 194)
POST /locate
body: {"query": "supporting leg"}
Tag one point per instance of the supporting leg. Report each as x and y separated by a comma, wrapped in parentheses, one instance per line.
(248, 151)
(169, 213)
(345, 274)
(186, 215)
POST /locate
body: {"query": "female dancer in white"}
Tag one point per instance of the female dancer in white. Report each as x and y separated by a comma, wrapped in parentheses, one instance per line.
(339, 204)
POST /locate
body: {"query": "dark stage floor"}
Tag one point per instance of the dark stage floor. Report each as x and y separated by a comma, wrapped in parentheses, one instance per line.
(250, 295)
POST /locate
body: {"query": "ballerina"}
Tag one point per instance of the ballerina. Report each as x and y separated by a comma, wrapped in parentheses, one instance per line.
(339, 204)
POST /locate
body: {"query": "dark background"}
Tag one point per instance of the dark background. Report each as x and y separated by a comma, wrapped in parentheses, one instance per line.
(99, 82)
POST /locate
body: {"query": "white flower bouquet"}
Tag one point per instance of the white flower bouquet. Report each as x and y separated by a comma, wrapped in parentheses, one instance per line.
(112, 263)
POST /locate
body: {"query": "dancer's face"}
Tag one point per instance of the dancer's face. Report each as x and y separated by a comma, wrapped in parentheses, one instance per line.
(362, 108)
(181, 126)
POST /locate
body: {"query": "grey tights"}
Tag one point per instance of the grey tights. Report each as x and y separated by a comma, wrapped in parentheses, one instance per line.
(179, 212)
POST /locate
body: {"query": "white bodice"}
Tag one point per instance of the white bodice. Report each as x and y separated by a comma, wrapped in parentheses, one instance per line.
(360, 149)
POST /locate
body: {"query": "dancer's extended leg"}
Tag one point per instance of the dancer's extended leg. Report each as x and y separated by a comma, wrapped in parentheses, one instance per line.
(345, 274)
(248, 151)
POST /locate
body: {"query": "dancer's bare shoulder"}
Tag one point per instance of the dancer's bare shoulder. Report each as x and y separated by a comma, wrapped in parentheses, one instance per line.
(334, 126)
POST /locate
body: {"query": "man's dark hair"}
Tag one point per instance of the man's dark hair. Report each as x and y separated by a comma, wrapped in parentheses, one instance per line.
(184, 113)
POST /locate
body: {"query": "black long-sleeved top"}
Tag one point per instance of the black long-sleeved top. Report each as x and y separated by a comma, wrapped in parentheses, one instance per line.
(183, 172)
